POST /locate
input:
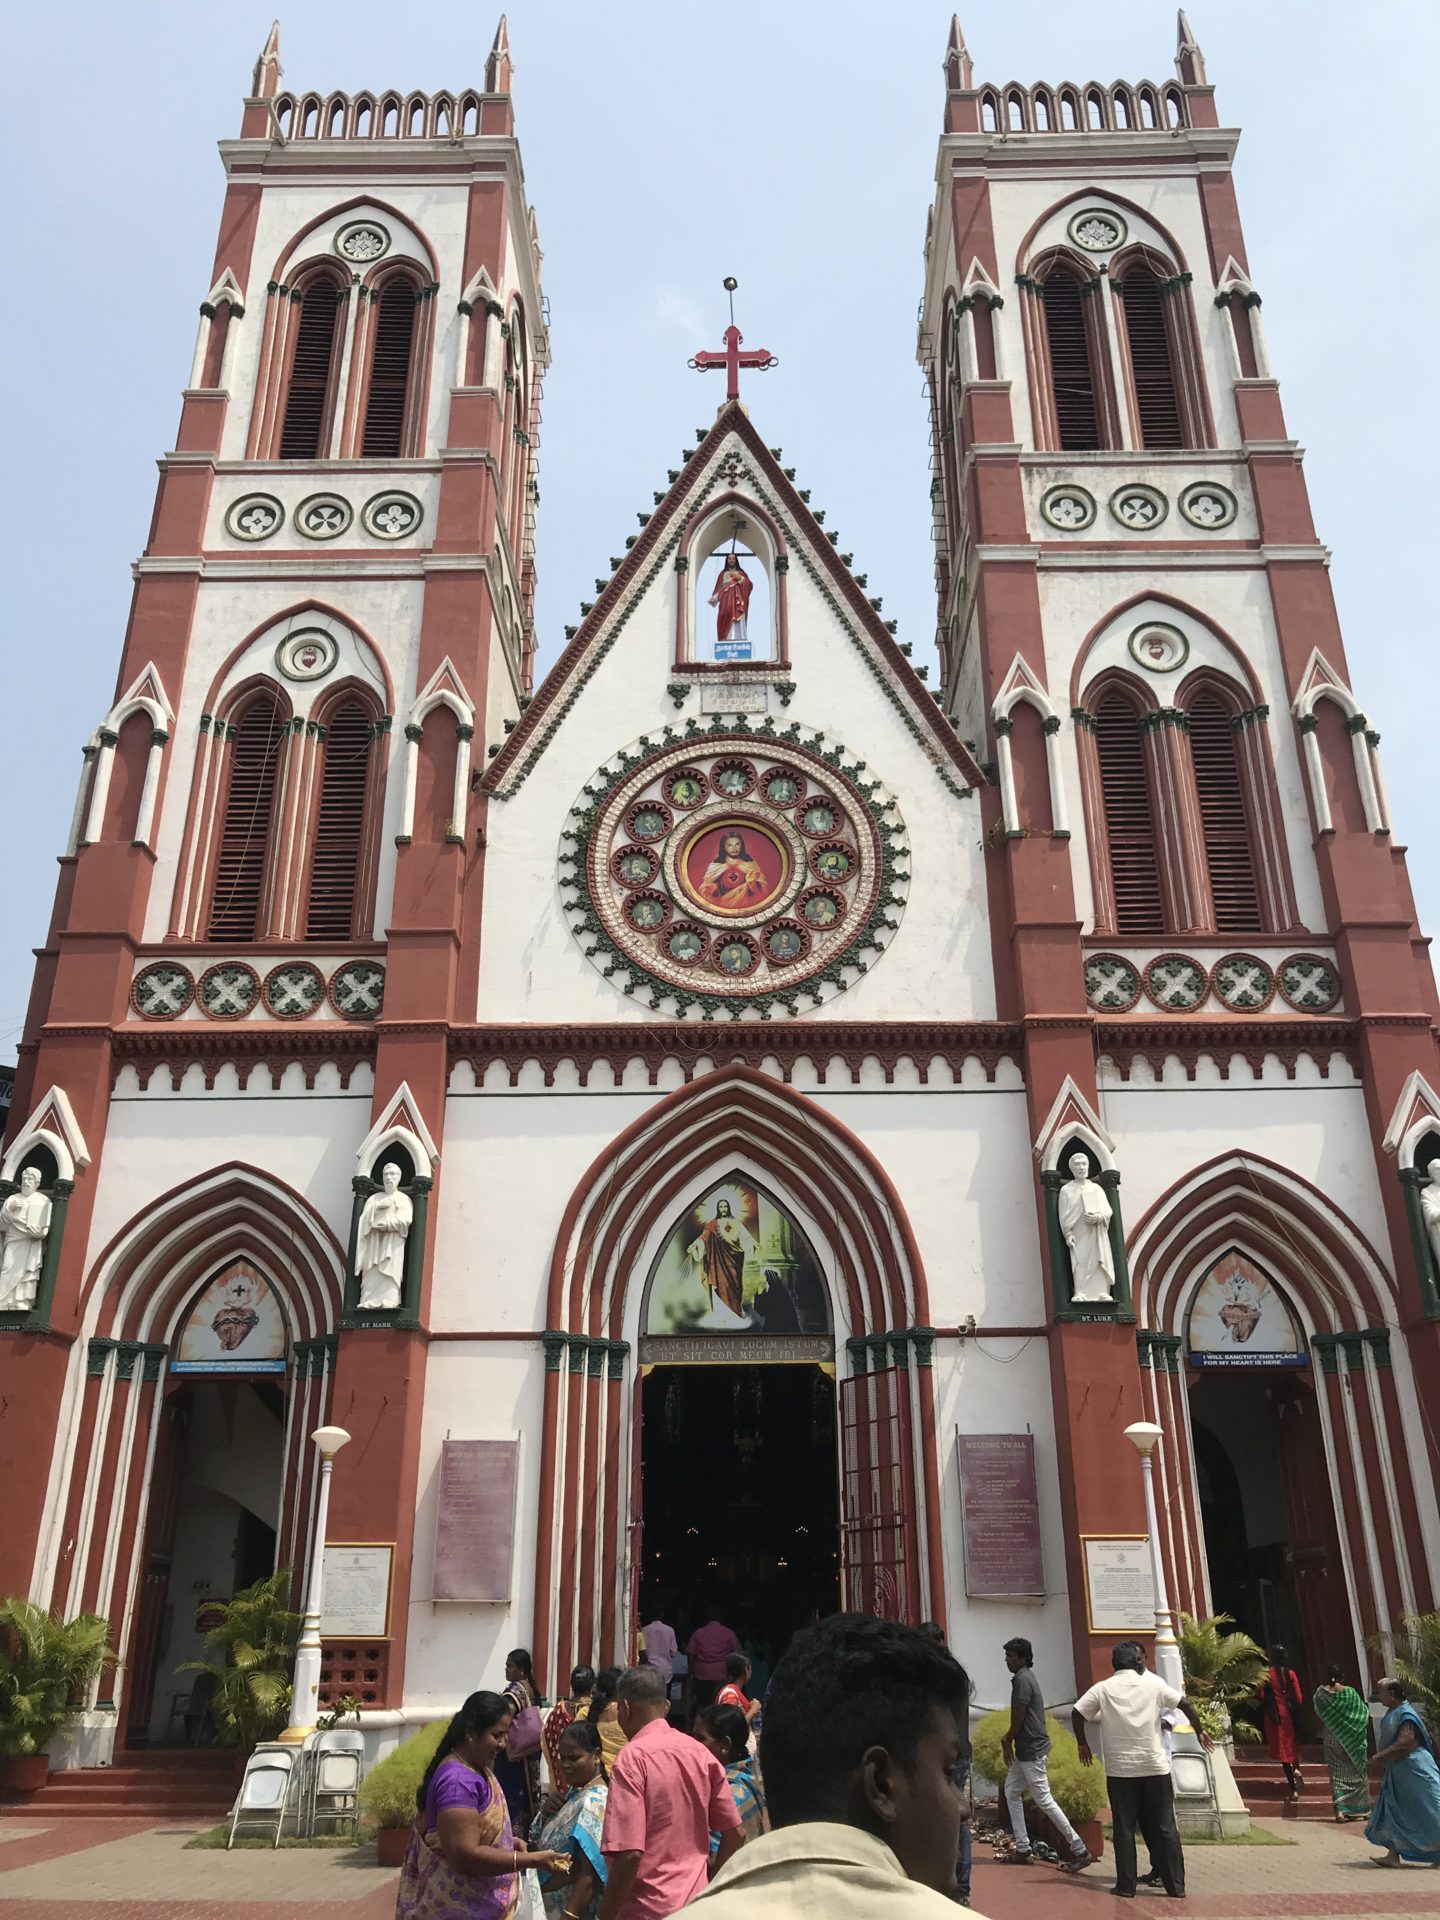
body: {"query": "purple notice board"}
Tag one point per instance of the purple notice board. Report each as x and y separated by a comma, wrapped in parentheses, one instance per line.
(1001, 1511)
(475, 1521)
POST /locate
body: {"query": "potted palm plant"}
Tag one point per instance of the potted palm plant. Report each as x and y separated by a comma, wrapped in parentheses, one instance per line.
(1223, 1670)
(47, 1666)
(252, 1645)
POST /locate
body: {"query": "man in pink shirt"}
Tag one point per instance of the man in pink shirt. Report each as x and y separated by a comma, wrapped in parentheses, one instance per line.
(667, 1794)
(706, 1651)
(660, 1646)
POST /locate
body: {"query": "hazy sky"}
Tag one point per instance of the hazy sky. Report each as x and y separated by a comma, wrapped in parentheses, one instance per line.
(792, 144)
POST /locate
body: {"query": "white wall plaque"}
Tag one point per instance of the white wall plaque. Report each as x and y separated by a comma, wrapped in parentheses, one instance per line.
(734, 696)
(357, 1593)
(1119, 1586)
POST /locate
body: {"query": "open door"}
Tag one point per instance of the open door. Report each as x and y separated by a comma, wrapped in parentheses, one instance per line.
(878, 1548)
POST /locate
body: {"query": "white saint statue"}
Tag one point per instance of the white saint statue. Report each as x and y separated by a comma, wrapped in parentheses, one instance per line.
(1429, 1207)
(1085, 1222)
(24, 1225)
(380, 1253)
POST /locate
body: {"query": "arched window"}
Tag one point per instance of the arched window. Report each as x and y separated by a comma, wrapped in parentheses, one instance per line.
(338, 839)
(243, 859)
(1070, 344)
(1129, 820)
(1152, 363)
(1229, 855)
(390, 363)
(309, 396)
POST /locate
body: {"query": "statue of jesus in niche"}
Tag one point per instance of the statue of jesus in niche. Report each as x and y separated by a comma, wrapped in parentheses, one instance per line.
(732, 597)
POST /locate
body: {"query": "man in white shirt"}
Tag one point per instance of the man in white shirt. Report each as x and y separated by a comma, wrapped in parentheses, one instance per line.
(865, 1752)
(1128, 1709)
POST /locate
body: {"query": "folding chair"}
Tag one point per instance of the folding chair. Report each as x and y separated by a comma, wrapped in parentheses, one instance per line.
(336, 1768)
(264, 1792)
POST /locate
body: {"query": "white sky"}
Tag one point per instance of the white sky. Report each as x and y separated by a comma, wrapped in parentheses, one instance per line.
(789, 143)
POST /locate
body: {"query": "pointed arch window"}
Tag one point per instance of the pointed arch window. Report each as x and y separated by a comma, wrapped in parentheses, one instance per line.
(310, 390)
(242, 860)
(1152, 360)
(1071, 349)
(392, 360)
(1224, 817)
(1134, 862)
(339, 837)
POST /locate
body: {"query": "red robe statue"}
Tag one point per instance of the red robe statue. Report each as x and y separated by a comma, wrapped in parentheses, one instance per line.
(732, 596)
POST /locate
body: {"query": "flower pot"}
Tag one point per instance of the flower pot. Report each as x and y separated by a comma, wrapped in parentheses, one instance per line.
(25, 1773)
(390, 1845)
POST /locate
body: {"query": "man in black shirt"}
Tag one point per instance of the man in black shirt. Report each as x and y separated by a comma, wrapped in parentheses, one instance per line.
(1025, 1746)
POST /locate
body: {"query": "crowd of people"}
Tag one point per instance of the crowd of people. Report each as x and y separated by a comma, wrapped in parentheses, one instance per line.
(843, 1791)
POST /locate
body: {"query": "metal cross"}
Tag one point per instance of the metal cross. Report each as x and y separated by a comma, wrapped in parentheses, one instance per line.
(732, 359)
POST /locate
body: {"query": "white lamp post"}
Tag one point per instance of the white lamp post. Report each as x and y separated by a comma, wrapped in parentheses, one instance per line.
(305, 1693)
(1144, 1435)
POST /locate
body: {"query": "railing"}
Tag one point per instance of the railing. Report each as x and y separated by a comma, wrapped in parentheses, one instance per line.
(1143, 107)
(378, 116)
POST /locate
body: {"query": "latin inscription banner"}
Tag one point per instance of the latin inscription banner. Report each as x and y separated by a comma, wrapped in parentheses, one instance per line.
(1000, 1507)
(736, 1349)
(475, 1520)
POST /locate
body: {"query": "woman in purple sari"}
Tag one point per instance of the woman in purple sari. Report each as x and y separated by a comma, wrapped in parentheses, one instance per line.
(463, 1862)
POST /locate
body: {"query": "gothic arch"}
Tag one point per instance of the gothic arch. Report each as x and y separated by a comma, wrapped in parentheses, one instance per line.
(1083, 195)
(367, 200)
(601, 1259)
(1244, 672)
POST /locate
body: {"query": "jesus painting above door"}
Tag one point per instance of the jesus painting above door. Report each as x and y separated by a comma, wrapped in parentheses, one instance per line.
(736, 1262)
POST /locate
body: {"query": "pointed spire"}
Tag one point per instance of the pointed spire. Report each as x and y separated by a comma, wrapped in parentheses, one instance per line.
(268, 70)
(1189, 60)
(499, 68)
(959, 71)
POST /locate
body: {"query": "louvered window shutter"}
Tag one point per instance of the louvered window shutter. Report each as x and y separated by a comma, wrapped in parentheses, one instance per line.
(1071, 374)
(339, 825)
(1129, 824)
(1151, 366)
(240, 867)
(1228, 853)
(390, 372)
(310, 370)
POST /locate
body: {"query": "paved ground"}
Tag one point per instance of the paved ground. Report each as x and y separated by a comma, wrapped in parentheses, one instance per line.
(118, 1870)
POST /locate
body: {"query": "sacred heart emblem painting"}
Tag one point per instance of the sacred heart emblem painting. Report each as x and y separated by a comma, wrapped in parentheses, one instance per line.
(735, 867)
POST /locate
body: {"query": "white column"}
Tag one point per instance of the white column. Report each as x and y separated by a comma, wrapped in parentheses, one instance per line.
(411, 774)
(1059, 814)
(462, 344)
(353, 303)
(305, 1693)
(1309, 726)
(81, 789)
(1009, 805)
(460, 803)
(232, 339)
(1365, 773)
(202, 345)
(1144, 1436)
(100, 790)
(145, 818)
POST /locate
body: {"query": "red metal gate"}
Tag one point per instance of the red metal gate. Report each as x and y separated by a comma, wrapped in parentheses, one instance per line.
(877, 1506)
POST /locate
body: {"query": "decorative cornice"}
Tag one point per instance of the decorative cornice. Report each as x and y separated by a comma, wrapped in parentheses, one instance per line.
(346, 1045)
(1195, 1038)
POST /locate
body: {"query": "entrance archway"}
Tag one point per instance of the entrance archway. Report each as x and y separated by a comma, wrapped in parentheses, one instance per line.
(591, 1490)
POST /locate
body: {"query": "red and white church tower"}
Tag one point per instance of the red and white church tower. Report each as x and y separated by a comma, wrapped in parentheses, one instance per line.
(727, 1120)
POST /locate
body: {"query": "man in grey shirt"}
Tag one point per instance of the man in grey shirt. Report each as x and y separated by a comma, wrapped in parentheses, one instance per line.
(1025, 1746)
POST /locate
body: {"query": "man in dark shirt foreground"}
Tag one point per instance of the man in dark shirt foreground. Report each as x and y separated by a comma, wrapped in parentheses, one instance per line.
(1025, 1746)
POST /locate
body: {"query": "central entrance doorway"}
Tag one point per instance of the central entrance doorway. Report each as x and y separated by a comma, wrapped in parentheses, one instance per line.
(741, 1500)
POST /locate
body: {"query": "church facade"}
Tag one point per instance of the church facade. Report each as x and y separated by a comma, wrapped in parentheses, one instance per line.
(741, 1118)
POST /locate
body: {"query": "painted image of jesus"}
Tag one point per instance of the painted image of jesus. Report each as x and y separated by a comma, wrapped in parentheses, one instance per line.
(719, 1254)
(734, 880)
(732, 597)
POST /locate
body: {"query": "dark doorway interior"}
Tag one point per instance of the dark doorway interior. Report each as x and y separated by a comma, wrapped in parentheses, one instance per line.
(741, 1500)
(1268, 1513)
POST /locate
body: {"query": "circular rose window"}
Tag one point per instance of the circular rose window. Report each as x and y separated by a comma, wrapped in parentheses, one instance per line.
(723, 872)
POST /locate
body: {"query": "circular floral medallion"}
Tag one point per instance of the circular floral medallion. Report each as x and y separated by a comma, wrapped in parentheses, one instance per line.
(1308, 983)
(357, 990)
(162, 991)
(362, 241)
(1097, 230)
(1071, 509)
(229, 990)
(1112, 983)
(1243, 983)
(1158, 648)
(307, 655)
(1176, 982)
(1207, 505)
(391, 516)
(708, 876)
(1138, 507)
(293, 991)
(324, 516)
(783, 786)
(785, 941)
(686, 787)
(635, 866)
(255, 516)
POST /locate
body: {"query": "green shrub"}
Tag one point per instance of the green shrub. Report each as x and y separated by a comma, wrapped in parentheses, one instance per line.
(253, 1643)
(1079, 1790)
(387, 1793)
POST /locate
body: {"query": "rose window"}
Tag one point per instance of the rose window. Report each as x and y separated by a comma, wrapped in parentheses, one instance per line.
(390, 516)
(718, 872)
(364, 241)
(255, 517)
(1139, 507)
(1097, 230)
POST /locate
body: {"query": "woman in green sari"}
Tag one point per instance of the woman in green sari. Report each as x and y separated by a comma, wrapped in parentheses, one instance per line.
(1345, 1728)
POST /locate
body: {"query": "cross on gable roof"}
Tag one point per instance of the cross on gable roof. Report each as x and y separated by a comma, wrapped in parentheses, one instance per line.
(702, 474)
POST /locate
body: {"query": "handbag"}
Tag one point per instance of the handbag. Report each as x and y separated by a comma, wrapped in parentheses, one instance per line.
(523, 1738)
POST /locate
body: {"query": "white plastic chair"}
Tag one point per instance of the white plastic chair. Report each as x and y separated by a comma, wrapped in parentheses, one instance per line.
(264, 1792)
(336, 1768)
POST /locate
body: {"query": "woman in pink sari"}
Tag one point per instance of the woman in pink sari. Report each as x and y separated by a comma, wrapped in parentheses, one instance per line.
(463, 1862)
